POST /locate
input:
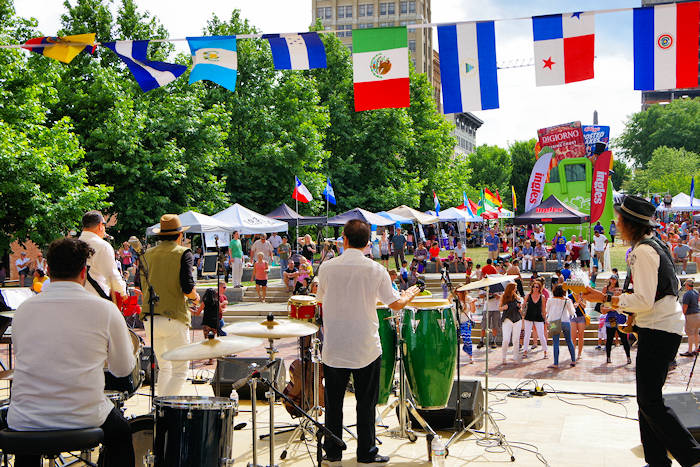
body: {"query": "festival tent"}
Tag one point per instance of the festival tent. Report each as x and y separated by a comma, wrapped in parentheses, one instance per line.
(552, 211)
(486, 215)
(197, 223)
(361, 214)
(414, 214)
(505, 214)
(396, 218)
(245, 221)
(456, 215)
(681, 203)
(286, 214)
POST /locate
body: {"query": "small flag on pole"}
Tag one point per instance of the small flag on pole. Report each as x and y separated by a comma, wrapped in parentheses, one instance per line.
(302, 51)
(515, 199)
(214, 58)
(301, 193)
(692, 190)
(148, 74)
(328, 192)
(436, 201)
(467, 204)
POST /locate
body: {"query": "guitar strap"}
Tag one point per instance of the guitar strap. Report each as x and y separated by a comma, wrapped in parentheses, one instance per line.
(96, 286)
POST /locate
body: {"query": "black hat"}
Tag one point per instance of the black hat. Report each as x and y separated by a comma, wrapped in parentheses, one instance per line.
(637, 210)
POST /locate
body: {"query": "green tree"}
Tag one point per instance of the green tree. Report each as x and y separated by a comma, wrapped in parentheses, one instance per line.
(620, 173)
(675, 125)
(522, 157)
(491, 168)
(669, 170)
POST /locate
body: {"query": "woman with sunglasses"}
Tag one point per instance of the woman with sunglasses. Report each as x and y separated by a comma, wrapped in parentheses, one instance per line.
(533, 307)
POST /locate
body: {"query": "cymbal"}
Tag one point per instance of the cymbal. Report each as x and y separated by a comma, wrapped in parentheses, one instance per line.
(487, 281)
(8, 314)
(272, 329)
(212, 348)
(428, 302)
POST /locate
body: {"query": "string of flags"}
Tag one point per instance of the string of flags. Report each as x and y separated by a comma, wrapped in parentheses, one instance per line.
(665, 43)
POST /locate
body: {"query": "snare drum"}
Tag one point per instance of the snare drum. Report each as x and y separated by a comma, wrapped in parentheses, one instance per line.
(131, 383)
(302, 307)
(194, 431)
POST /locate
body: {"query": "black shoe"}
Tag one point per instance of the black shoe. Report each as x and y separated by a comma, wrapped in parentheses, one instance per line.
(687, 354)
(629, 361)
(609, 360)
(334, 462)
(479, 345)
(377, 460)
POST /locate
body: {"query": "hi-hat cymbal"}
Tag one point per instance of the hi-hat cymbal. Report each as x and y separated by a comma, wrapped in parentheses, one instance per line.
(487, 281)
(7, 314)
(272, 329)
(212, 348)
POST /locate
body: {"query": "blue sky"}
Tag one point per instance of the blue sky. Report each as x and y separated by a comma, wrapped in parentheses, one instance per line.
(524, 107)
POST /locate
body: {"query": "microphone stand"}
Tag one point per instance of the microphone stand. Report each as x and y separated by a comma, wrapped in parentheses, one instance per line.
(144, 271)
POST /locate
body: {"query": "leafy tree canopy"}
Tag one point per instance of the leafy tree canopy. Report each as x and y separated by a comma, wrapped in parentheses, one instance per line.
(669, 170)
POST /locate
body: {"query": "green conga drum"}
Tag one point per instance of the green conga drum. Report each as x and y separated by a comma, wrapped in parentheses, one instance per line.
(387, 335)
(430, 352)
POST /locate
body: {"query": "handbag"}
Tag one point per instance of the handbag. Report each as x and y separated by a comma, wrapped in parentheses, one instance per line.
(555, 325)
(588, 319)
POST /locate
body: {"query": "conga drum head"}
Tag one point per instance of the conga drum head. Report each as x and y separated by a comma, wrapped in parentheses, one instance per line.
(302, 307)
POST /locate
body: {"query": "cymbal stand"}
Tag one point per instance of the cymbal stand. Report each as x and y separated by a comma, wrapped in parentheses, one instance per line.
(485, 437)
(253, 399)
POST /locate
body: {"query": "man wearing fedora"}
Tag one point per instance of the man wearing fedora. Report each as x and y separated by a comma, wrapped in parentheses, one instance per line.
(103, 277)
(660, 325)
(170, 273)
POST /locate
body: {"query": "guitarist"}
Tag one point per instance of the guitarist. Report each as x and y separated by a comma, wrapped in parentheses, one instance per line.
(103, 278)
(660, 323)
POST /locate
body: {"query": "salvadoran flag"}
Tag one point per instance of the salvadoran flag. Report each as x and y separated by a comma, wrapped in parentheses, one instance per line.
(666, 46)
(468, 67)
(302, 51)
(214, 58)
(148, 74)
(436, 201)
(564, 47)
(328, 192)
(301, 193)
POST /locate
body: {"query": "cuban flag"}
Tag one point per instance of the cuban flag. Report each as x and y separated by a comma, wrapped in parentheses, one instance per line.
(301, 193)
(148, 74)
(436, 201)
(468, 67)
(564, 48)
(302, 51)
(328, 192)
(214, 58)
(666, 46)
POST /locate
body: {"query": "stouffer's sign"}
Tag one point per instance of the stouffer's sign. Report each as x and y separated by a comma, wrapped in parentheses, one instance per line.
(599, 188)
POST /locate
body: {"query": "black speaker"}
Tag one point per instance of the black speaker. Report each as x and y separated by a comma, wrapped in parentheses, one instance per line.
(230, 370)
(472, 407)
(146, 365)
(687, 408)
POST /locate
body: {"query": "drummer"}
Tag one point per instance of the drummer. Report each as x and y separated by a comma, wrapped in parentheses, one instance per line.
(59, 378)
(349, 288)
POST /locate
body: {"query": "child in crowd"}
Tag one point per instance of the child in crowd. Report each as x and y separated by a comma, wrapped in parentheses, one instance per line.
(260, 270)
(593, 275)
(566, 272)
(394, 275)
(602, 333)
(304, 277)
(403, 275)
(479, 274)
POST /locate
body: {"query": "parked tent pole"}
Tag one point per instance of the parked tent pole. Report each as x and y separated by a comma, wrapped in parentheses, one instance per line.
(296, 239)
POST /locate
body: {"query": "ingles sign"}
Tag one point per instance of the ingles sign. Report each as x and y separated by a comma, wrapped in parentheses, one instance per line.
(599, 188)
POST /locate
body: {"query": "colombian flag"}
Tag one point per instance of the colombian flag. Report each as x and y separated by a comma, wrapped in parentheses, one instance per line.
(64, 49)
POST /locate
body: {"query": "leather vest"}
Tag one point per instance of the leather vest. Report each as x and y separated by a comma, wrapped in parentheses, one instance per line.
(668, 283)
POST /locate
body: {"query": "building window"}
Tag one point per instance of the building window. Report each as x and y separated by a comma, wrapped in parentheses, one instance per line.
(403, 7)
(365, 9)
(411, 7)
(344, 30)
(388, 8)
(364, 26)
(324, 12)
(412, 46)
(387, 24)
(345, 11)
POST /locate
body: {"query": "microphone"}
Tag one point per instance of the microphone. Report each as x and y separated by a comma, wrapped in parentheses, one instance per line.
(256, 372)
(135, 244)
(420, 283)
(108, 237)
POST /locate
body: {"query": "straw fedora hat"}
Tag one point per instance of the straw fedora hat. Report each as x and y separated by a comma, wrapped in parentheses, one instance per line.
(170, 225)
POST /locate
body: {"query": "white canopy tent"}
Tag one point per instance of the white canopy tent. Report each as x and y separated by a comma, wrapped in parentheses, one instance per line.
(681, 203)
(506, 214)
(455, 215)
(197, 223)
(245, 221)
(414, 214)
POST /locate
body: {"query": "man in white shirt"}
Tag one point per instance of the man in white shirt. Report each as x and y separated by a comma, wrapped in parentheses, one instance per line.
(349, 288)
(22, 267)
(59, 372)
(263, 246)
(103, 274)
(539, 235)
(599, 242)
(275, 241)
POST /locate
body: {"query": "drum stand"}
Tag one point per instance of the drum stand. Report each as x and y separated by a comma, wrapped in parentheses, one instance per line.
(484, 438)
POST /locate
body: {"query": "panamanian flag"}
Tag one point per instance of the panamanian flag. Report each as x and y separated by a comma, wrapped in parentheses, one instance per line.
(214, 58)
(301, 193)
(302, 51)
(666, 46)
(149, 74)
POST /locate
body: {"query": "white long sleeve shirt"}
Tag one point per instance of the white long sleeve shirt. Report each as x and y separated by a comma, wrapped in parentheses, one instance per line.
(62, 339)
(102, 266)
(664, 314)
(560, 308)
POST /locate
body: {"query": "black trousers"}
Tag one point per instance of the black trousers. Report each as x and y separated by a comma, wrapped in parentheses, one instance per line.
(659, 427)
(118, 448)
(399, 255)
(610, 334)
(366, 384)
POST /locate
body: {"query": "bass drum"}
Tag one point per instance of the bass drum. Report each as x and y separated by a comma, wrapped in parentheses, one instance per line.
(131, 383)
(142, 437)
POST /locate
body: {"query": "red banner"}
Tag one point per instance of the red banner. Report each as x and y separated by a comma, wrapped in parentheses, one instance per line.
(599, 190)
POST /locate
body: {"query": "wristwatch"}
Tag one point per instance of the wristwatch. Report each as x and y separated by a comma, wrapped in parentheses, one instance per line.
(608, 299)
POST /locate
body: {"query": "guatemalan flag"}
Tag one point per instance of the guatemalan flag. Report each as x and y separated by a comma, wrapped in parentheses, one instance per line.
(301, 193)
(468, 66)
(302, 51)
(564, 48)
(214, 58)
(666, 46)
(148, 74)
(436, 201)
(328, 192)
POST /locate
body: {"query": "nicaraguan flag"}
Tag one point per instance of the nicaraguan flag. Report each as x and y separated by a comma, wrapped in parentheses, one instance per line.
(148, 74)
(328, 192)
(692, 190)
(436, 201)
(468, 67)
(666, 46)
(302, 51)
(301, 193)
(214, 58)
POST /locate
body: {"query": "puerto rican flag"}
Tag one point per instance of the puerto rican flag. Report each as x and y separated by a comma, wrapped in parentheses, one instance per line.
(564, 48)
(301, 193)
(666, 46)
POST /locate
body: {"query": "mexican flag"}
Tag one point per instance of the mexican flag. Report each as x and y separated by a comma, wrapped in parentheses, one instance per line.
(380, 68)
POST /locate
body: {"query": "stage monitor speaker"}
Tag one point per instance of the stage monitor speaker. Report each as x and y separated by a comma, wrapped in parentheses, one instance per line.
(231, 369)
(209, 264)
(687, 407)
(472, 407)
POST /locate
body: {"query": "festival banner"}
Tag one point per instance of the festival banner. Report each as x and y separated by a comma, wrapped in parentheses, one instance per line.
(593, 134)
(599, 190)
(538, 177)
(566, 140)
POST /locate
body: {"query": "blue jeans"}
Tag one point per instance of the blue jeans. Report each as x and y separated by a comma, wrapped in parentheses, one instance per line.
(283, 265)
(566, 329)
(561, 256)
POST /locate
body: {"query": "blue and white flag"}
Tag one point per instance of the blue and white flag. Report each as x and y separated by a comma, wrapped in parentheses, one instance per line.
(328, 192)
(148, 74)
(468, 67)
(692, 190)
(436, 203)
(302, 51)
(214, 58)
(467, 204)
